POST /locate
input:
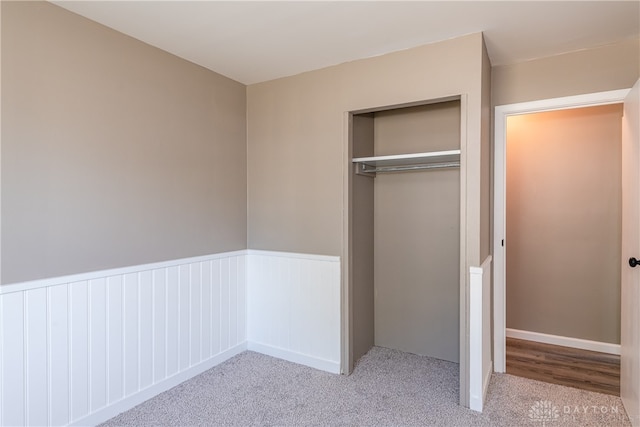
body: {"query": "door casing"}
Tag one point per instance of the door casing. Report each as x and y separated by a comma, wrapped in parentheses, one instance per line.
(499, 203)
(630, 290)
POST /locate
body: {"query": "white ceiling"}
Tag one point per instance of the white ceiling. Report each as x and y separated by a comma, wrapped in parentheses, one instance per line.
(255, 41)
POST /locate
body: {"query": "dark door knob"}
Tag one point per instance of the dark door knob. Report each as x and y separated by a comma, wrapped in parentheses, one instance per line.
(633, 262)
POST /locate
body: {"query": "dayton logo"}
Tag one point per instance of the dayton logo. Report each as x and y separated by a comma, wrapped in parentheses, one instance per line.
(543, 411)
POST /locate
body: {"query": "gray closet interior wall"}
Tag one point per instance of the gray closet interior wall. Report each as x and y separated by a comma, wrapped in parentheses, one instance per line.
(362, 273)
(406, 235)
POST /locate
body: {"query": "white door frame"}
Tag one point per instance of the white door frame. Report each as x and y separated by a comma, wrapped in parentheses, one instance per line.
(499, 203)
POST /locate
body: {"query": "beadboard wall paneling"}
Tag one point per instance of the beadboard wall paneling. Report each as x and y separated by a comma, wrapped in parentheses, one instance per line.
(481, 365)
(80, 349)
(294, 307)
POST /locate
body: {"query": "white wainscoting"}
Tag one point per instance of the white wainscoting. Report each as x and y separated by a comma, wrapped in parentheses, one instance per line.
(80, 349)
(294, 308)
(480, 365)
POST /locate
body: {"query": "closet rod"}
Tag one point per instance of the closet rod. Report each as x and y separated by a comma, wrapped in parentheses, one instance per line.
(366, 169)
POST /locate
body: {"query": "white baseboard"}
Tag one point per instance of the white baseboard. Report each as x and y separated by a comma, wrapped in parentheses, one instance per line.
(127, 403)
(303, 359)
(601, 347)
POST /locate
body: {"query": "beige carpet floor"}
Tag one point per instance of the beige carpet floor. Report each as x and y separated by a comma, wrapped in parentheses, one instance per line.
(387, 388)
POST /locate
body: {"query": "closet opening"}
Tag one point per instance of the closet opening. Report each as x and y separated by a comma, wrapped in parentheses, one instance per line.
(404, 250)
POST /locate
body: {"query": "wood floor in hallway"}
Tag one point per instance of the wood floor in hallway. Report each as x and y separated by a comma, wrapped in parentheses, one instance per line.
(583, 369)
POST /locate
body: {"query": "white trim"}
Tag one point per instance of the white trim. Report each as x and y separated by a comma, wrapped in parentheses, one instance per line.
(53, 281)
(314, 257)
(485, 265)
(135, 399)
(292, 356)
(565, 103)
(602, 347)
(499, 208)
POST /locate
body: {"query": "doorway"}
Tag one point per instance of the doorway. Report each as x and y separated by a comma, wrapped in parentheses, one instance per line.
(563, 221)
(500, 228)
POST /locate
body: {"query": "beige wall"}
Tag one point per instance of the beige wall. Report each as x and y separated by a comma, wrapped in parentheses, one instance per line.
(615, 66)
(297, 148)
(296, 139)
(563, 223)
(609, 67)
(417, 235)
(114, 153)
(486, 174)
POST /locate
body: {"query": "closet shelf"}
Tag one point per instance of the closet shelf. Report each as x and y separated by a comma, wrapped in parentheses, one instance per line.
(406, 162)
